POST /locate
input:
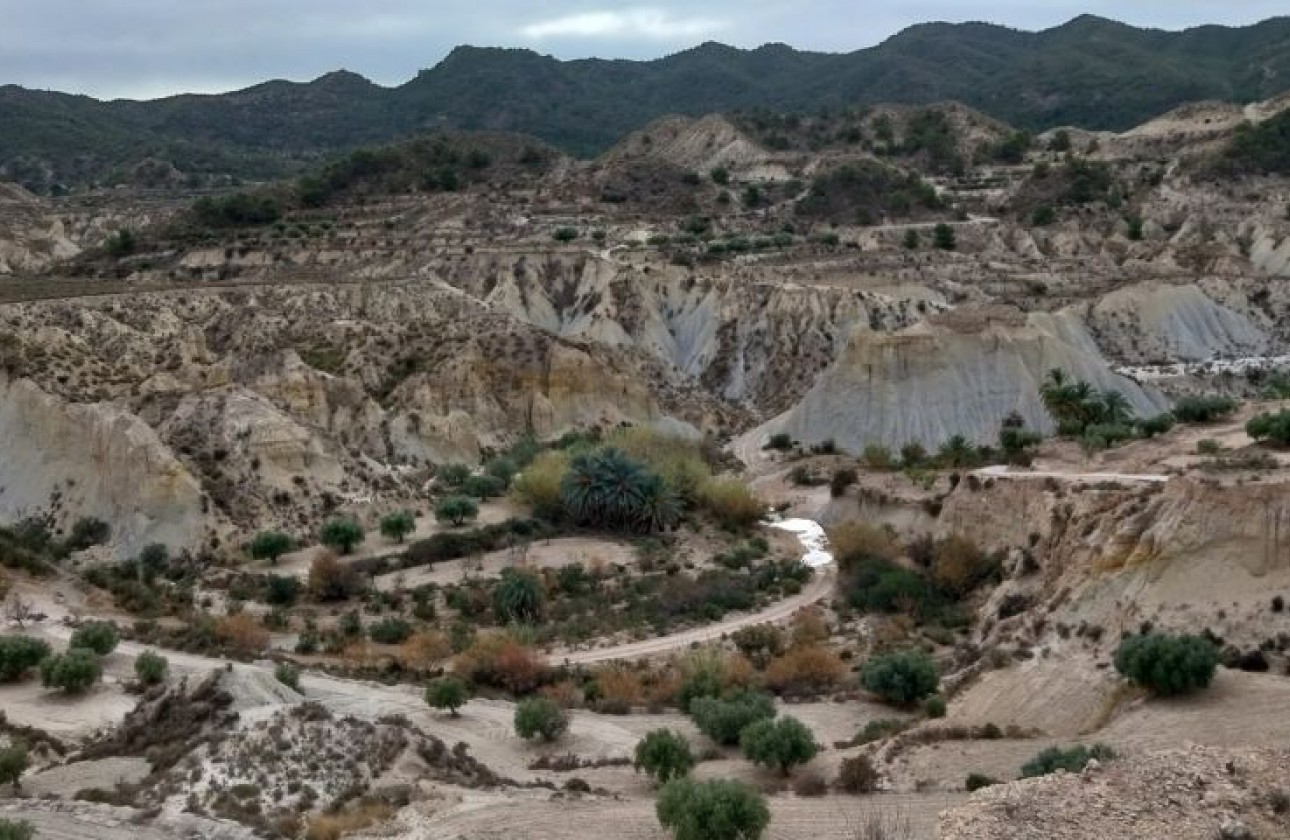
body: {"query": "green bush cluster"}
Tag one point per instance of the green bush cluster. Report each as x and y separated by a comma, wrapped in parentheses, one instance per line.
(1168, 665)
(1270, 428)
(1072, 760)
(901, 678)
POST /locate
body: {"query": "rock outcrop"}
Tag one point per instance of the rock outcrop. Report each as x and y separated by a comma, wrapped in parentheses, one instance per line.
(94, 460)
(960, 374)
(1192, 793)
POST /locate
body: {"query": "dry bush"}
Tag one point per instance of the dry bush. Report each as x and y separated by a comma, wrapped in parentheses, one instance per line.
(423, 651)
(564, 694)
(242, 632)
(809, 627)
(662, 689)
(333, 826)
(855, 541)
(332, 580)
(807, 669)
(810, 783)
(500, 661)
(538, 486)
(677, 461)
(731, 502)
(620, 690)
(958, 564)
(857, 775)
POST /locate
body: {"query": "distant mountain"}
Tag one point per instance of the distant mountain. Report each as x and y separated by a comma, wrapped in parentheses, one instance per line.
(1090, 72)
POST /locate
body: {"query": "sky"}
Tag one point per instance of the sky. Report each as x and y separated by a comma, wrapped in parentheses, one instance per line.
(142, 49)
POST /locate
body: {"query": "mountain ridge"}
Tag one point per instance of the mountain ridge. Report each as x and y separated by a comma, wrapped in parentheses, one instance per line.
(1090, 72)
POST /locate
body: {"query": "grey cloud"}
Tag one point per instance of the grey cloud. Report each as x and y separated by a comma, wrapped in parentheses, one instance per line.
(147, 48)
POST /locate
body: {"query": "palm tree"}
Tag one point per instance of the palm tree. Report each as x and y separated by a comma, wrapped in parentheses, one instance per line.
(1115, 408)
(518, 596)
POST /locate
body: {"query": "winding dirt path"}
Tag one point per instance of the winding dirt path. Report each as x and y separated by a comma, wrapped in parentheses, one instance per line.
(816, 590)
(1003, 471)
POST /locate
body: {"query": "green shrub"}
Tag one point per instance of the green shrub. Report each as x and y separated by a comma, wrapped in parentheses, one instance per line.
(720, 809)
(449, 693)
(270, 545)
(565, 234)
(288, 675)
(1071, 760)
(18, 655)
(976, 781)
(943, 237)
(1274, 428)
(540, 717)
(483, 487)
(456, 510)
(778, 744)
(453, 475)
(397, 526)
(780, 441)
(725, 720)
(664, 755)
(518, 596)
(934, 706)
(1157, 425)
(150, 668)
(13, 763)
(99, 636)
(16, 830)
(282, 590)
(390, 631)
(342, 534)
(1205, 409)
(610, 490)
(901, 678)
(1167, 665)
(72, 672)
(1043, 216)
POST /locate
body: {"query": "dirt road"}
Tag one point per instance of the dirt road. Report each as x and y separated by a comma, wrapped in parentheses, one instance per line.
(817, 589)
(1004, 471)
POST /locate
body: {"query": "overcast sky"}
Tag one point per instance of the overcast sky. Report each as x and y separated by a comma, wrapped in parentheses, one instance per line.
(149, 48)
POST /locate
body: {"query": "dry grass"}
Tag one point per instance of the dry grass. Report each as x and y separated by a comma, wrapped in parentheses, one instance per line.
(334, 826)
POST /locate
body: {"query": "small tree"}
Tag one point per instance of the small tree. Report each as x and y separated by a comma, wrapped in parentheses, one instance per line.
(453, 475)
(342, 534)
(456, 510)
(18, 655)
(721, 809)
(282, 590)
(664, 755)
(901, 678)
(397, 526)
(13, 763)
(449, 693)
(150, 667)
(98, 636)
(16, 830)
(288, 675)
(72, 672)
(725, 720)
(270, 545)
(911, 240)
(565, 234)
(540, 717)
(780, 744)
(943, 237)
(1167, 665)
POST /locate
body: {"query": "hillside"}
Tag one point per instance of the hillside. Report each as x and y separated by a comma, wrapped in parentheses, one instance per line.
(1089, 72)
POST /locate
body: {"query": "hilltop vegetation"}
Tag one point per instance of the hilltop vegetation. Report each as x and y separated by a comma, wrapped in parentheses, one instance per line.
(1089, 72)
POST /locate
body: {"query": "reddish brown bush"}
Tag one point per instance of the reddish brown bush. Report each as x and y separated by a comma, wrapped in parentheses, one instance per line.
(803, 670)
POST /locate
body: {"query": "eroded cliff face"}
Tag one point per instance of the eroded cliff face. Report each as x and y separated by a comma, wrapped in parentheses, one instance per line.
(94, 459)
(959, 375)
(216, 411)
(1190, 553)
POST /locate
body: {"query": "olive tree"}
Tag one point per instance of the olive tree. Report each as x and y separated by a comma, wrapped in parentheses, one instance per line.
(664, 755)
(720, 809)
